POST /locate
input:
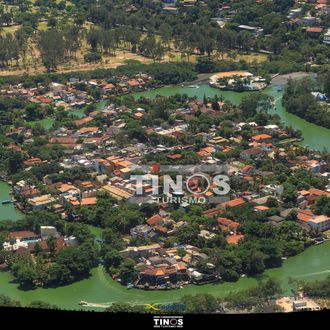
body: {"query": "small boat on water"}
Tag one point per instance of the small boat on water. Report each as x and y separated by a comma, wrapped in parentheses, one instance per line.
(193, 86)
(82, 302)
(7, 201)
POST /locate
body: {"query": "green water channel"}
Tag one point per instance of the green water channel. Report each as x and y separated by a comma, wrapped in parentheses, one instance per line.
(313, 264)
(7, 211)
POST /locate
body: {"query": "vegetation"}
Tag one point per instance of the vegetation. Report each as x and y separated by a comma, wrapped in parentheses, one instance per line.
(298, 100)
(87, 31)
(318, 289)
(52, 267)
(256, 299)
(8, 302)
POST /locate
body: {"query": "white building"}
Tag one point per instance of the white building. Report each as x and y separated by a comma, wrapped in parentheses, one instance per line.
(326, 38)
(320, 222)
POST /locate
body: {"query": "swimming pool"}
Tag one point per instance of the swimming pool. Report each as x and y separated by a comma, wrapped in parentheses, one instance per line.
(28, 241)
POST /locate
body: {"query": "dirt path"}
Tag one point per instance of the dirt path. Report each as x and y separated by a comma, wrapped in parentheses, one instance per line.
(201, 78)
(283, 78)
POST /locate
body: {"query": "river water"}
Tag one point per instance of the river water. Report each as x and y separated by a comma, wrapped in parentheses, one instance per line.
(315, 137)
(7, 211)
(312, 264)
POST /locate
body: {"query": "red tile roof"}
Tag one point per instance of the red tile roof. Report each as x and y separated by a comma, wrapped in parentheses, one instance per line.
(314, 29)
(234, 202)
(261, 137)
(23, 234)
(304, 215)
(227, 224)
(318, 192)
(89, 201)
(174, 156)
(234, 239)
(154, 220)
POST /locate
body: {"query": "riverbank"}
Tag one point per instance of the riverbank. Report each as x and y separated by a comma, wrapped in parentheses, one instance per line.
(8, 211)
(277, 80)
(282, 79)
(201, 78)
(312, 264)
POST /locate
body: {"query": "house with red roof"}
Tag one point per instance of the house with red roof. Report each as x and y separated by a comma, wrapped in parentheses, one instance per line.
(234, 239)
(227, 224)
(155, 220)
(233, 203)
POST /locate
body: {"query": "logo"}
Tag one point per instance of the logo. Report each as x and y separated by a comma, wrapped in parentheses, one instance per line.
(152, 307)
(168, 321)
(191, 184)
(169, 308)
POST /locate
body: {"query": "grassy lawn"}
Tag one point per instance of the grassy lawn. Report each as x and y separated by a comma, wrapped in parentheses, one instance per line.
(33, 64)
(96, 231)
(252, 57)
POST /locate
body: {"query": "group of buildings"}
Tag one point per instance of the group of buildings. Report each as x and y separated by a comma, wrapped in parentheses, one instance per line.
(110, 165)
(77, 92)
(27, 242)
(237, 81)
(298, 16)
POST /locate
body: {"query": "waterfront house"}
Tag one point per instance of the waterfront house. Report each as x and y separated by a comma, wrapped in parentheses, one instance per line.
(320, 222)
(44, 246)
(164, 275)
(41, 201)
(141, 251)
(24, 235)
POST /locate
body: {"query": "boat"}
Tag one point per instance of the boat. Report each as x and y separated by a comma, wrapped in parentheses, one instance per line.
(130, 286)
(7, 201)
(82, 302)
(193, 86)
